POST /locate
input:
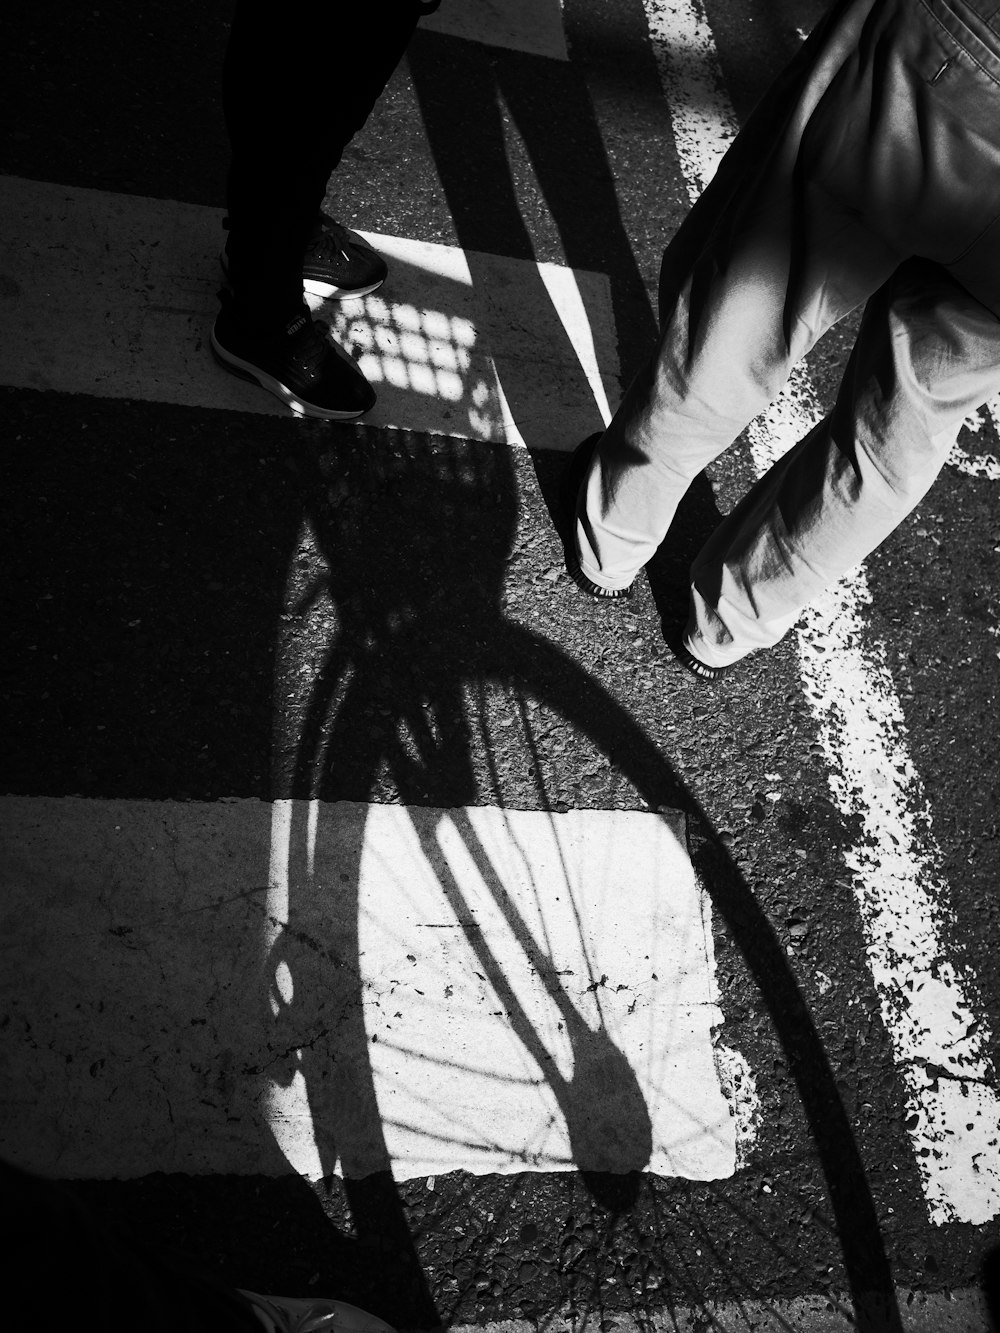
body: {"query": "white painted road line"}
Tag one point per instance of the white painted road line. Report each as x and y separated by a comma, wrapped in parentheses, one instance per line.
(182, 982)
(929, 1004)
(979, 465)
(114, 295)
(534, 26)
(936, 1026)
(962, 1311)
(702, 119)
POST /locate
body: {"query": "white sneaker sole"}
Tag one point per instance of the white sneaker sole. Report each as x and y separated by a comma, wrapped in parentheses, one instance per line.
(327, 292)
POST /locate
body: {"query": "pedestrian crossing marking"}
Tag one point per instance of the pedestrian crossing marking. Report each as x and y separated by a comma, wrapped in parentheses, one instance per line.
(960, 1310)
(200, 981)
(114, 295)
(551, 365)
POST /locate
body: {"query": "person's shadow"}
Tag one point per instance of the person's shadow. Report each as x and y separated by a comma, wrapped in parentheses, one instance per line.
(463, 89)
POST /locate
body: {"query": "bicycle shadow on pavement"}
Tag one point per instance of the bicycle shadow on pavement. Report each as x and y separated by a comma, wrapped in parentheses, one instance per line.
(390, 580)
(387, 611)
(412, 633)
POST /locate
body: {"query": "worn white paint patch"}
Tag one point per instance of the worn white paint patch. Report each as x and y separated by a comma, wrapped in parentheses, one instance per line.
(740, 1089)
(986, 466)
(936, 1026)
(115, 295)
(534, 26)
(933, 1015)
(539, 992)
(233, 987)
(701, 115)
(992, 410)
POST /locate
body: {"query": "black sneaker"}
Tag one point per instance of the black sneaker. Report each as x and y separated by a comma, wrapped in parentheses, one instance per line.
(296, 363)
(339, 264)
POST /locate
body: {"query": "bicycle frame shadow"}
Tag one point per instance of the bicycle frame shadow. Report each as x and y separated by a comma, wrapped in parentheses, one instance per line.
(409, 635)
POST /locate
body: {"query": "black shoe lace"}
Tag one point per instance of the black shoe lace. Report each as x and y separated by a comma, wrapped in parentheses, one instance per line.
(308, 352)
(330, 245)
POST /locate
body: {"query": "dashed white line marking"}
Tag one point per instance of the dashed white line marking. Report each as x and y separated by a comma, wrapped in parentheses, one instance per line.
(531, 991)
(702, 118)
(929, 1005)
(114, 295)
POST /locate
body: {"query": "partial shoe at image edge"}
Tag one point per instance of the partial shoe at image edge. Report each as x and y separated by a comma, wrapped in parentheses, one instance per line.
(294, 1314)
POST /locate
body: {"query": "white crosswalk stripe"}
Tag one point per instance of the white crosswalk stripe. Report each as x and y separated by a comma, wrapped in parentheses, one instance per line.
(492, 997)
(133, 285)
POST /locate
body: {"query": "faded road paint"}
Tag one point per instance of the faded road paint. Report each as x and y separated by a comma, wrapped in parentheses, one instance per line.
(961, 1311)
(929, 1004)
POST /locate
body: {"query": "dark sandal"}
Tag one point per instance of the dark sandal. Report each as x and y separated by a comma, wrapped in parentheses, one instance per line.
(695, 665)
(594, 589)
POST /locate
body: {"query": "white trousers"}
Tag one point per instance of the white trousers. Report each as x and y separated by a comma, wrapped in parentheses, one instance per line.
(870, 174)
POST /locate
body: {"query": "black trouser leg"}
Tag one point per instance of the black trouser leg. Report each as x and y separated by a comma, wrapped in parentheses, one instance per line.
(300, 79)
(63, 1267)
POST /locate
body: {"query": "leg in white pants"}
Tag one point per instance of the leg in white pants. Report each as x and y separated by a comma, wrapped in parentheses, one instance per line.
(927, 355)
(880, 142)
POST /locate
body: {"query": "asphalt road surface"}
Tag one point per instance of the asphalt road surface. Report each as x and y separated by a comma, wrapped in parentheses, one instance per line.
(382, 918)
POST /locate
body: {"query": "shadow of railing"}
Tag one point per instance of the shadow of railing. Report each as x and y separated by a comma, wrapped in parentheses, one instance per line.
(482, 346)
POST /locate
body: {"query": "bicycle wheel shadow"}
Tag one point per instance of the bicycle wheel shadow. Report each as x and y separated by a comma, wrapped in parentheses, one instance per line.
(404, 562)
(408, 568)
(388, 719)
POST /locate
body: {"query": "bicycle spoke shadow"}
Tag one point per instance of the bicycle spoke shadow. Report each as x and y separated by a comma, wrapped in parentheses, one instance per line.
(405, 621)
(410, 628)
(409, 636)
